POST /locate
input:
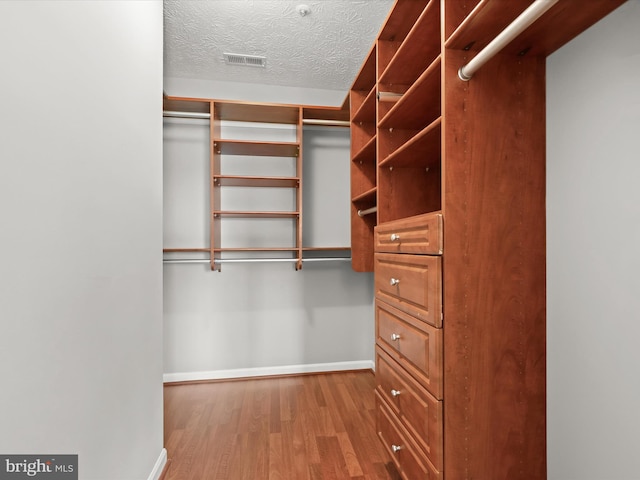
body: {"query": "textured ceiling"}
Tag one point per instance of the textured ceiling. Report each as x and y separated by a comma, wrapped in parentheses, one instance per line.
(323, 49)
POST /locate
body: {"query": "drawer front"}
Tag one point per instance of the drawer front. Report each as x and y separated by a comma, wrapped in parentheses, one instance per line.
(405, 454)
(415, 346)
(412, 283)
(418, 411)
(420, 234)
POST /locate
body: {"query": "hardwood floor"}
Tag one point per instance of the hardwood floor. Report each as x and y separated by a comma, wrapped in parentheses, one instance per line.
(315, 427)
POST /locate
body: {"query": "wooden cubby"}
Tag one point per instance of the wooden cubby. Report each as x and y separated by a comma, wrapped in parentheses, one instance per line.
(463, 161)
(280, 116)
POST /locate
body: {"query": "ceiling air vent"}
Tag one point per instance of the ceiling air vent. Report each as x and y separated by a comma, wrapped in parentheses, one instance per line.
(246, 60)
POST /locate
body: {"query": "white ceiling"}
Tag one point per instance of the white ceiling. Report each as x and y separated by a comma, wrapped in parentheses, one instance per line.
(323, 49)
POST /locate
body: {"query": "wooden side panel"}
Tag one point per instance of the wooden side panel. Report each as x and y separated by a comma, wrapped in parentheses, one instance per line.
(214, 195)
(299, 169)
(494, 269)
(362, 240)
(363, 171)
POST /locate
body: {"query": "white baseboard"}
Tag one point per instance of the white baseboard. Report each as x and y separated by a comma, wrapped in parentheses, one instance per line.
(159, 466)
(268, 371)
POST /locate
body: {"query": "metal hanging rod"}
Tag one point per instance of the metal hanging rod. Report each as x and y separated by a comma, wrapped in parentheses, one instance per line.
(256, 260)
(167, 113)
(389, 96)
(305, 121)
(519, 25)
(327, 259)
(328, 123)
(367, 211)
(186, 260)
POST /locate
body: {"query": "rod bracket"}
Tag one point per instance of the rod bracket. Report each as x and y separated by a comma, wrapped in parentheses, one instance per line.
(462, 76)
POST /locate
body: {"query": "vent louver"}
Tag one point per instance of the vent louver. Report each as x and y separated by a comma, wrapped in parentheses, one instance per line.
(246, 60)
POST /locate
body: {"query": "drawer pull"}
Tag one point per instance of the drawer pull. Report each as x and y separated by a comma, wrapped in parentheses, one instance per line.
(394, 281)
(395, 393)
(394, 337)
(394, 237)
(396, 448)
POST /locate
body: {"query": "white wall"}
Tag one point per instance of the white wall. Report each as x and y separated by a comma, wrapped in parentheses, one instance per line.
(593, 219)
(81, 210)
(255, 319)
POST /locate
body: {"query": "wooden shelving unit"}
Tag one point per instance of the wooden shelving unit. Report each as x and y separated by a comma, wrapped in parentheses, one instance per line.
(362, 99)
(280, 117)
(457, 243)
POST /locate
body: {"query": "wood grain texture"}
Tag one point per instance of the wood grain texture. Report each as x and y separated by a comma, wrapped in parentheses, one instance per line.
(563, 22)
(299, 427)
(418, 349)
(494, 269)
(411, 283)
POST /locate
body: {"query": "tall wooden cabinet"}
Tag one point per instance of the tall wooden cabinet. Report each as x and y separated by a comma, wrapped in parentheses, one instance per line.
(448, 210)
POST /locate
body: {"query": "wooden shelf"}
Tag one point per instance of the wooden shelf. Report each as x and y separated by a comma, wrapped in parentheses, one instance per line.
(254, 181)
(265, 149)
(257, 112)
(420, 105)
(367, 111)
(366, 154)
(325, 113)
(423, 150)
(404, 16)
(366, 197)
(186, 104)
(366, 77)
(417, 51)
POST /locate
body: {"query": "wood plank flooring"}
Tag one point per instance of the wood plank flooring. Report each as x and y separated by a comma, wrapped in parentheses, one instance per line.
(311, 427)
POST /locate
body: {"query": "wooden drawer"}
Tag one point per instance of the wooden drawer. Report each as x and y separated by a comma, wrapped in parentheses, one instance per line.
(411, 464)
(417, 347)
(418, 411)
(420, 234)
(412, 283)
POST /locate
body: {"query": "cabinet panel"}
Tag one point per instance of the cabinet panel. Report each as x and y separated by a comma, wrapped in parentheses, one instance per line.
(421, 234)
(417, 348)
(418, 410)
(411, 283)
(405, 454)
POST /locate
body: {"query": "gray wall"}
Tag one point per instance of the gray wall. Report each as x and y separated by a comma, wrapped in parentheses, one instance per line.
(266, 318)
(593, 219)
(81, 210)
